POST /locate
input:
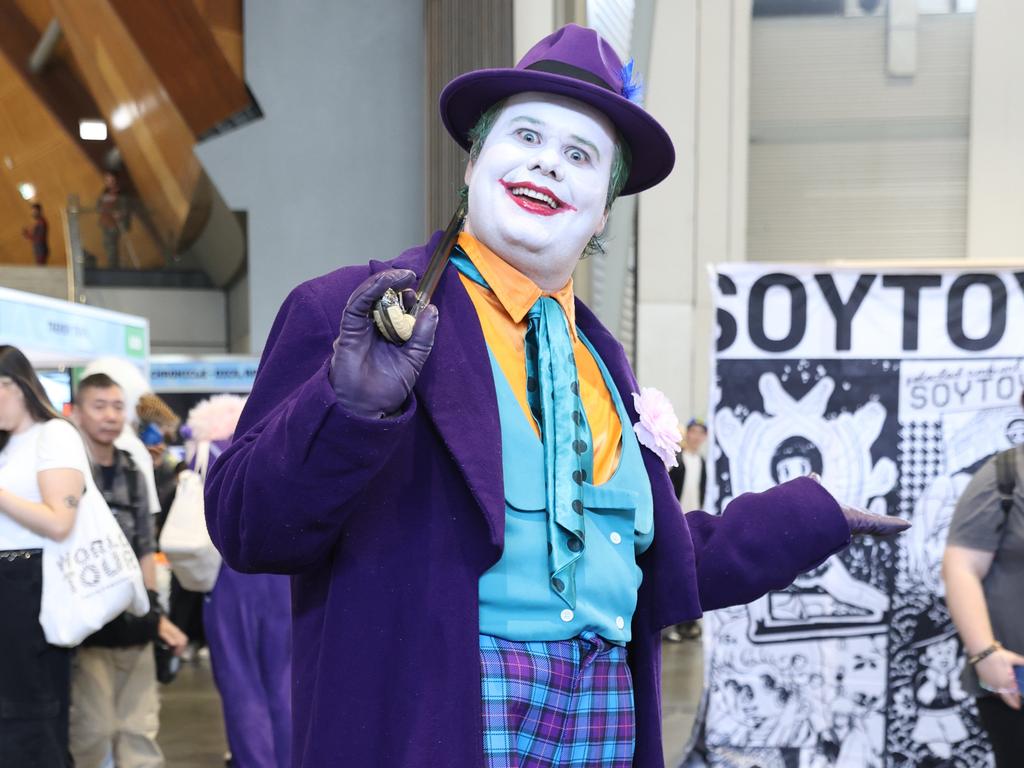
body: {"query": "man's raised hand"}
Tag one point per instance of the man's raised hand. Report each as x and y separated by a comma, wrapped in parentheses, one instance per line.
(371, 376)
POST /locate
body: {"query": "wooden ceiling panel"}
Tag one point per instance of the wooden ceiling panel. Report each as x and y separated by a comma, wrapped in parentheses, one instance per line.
(154, 140)
(230, 43)
(224, 18)
(31, 129)
(37, 12)
(221, 14)
(58, 88)
(158, 74)
(183, 54)
(35, 148)
(40, 13)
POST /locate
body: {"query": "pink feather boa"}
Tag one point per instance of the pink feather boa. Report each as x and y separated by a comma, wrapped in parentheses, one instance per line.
(215, 418)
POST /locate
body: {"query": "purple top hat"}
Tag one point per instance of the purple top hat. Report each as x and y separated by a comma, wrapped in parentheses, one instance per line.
(576, 62)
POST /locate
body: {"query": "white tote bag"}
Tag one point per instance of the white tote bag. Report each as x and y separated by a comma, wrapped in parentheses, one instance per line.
(184, 539)
(91, 577)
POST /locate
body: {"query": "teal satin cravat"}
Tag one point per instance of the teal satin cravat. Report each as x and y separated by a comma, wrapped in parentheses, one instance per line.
(553, 392)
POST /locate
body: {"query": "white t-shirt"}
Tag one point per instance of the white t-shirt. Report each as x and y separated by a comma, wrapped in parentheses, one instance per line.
(52, 444)
(690, 499)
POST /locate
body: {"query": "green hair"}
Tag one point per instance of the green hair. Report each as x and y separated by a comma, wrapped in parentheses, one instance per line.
(621, 161)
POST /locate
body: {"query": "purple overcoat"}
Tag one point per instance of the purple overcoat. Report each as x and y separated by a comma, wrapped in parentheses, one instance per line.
(387, 525)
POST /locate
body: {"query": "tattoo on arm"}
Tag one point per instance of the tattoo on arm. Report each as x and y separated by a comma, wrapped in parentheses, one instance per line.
(71, 502)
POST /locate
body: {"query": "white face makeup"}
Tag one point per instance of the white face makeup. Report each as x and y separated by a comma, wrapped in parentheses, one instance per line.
(538, 189)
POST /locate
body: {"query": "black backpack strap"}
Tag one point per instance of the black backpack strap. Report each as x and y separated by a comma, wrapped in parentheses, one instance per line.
(1006, 478)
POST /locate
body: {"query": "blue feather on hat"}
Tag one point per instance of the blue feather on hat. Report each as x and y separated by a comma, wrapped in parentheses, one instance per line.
(632, 83)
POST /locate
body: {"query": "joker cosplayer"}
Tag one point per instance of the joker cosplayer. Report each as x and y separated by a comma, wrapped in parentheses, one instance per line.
(483, 553)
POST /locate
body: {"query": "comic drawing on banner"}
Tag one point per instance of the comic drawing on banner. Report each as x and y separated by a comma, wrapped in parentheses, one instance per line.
(954, 417)
(801, 670)
(894, 388)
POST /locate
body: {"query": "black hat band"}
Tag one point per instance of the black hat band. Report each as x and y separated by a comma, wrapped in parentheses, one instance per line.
(568, 70)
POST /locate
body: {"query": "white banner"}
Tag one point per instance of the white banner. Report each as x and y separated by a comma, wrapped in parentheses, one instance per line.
(795, 312)
(52, 332)
(893, 385)
(207, 374)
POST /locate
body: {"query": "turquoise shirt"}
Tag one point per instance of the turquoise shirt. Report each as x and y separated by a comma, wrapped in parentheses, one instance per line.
(517, 601)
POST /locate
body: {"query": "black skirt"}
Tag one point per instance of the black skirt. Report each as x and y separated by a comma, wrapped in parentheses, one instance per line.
(34, 675)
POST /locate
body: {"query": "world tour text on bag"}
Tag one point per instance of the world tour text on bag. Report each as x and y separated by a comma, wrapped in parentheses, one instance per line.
(84, 567)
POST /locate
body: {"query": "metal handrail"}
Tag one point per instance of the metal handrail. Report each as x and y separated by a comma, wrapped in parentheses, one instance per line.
(73, 239)
(75, 261)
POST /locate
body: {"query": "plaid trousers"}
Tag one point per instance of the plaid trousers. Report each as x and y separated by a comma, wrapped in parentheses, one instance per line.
(567, 703)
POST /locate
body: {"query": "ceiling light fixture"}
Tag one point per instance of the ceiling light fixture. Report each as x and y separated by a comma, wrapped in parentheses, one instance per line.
(121, 117)
(92, 130)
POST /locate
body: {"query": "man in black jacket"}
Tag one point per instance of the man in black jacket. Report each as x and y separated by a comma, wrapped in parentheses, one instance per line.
(114, 702)
(691, 466)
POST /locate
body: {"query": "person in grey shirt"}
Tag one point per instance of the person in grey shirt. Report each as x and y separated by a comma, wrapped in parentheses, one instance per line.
(983, 568)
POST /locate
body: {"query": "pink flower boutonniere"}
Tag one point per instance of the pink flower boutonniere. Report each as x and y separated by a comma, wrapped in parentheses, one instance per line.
(658, 428)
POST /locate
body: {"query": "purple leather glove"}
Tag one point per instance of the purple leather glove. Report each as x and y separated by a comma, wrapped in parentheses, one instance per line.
(862, 522)
(371, 376)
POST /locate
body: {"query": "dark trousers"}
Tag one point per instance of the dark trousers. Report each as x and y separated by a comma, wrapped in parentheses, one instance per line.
(34, 675)
(1005, 729)
(187, 612)
(111, 241)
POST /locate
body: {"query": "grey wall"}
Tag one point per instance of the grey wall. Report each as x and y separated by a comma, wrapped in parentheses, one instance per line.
(186, 321)
(238, 316)
(47, 281)
(333, 174)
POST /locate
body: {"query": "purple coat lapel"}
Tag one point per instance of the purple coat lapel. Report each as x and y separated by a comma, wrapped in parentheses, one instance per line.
(456, 388)
(614, 358)
(669, 592)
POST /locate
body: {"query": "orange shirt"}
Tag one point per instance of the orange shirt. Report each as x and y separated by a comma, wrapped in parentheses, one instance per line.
(502, 312)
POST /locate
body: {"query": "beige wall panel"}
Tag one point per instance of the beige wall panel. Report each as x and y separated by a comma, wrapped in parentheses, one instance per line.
(847, 162)
(996, 173)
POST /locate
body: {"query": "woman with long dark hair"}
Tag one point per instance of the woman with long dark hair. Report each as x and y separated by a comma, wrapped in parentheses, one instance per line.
(43, 466)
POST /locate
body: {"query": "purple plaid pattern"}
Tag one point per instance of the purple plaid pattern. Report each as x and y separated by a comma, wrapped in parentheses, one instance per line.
(567, 703)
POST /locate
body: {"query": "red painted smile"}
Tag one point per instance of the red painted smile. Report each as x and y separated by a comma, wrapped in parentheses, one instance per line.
(534, 199)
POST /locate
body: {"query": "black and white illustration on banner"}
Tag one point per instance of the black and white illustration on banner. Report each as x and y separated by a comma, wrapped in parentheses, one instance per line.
(944, 439)
(802, 670)
(894, 388)
(805, 425)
